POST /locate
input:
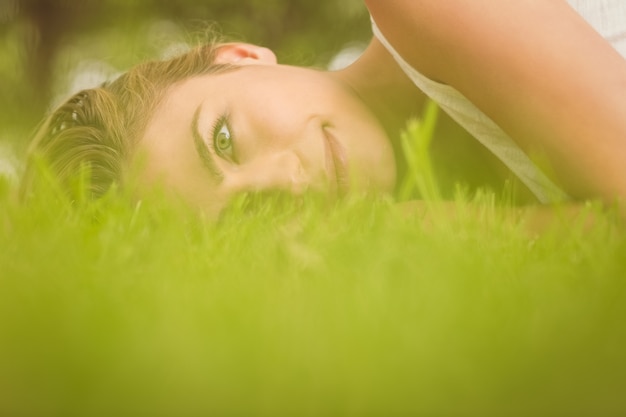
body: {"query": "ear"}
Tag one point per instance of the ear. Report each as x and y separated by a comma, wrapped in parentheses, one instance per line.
(244, 54)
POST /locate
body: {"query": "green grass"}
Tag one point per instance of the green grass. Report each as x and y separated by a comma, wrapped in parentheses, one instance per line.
(359, 307)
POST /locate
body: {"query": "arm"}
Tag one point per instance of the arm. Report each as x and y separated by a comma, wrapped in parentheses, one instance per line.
(536, 68)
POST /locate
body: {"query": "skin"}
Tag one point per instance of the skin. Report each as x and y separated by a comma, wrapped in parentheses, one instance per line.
(291, 129)
(536, 68)
(568, 105)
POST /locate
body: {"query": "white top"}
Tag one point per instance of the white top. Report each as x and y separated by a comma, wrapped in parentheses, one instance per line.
(608, 17)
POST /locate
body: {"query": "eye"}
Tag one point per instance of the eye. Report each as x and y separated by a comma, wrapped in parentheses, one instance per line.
(223, 140)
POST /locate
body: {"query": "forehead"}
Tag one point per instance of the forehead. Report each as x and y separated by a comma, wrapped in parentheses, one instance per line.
(251, 87)
(210, 90)
(166, 155)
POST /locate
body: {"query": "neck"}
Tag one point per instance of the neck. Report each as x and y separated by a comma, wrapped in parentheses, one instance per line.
(382, 85)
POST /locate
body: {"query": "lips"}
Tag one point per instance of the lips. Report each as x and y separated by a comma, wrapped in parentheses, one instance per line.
(336, 163)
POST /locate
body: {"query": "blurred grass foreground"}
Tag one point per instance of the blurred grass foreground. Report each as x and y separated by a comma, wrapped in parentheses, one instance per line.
(293, 308)
(358, 307)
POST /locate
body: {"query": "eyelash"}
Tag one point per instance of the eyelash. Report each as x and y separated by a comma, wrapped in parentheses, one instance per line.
(220, 123)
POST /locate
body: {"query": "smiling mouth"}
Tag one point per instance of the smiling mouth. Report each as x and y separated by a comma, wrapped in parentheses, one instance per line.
(336, 163)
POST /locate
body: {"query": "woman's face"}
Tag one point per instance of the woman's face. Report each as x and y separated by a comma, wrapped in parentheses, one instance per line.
(263, 126)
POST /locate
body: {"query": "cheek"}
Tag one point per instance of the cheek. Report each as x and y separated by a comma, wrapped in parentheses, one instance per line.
(275, 171)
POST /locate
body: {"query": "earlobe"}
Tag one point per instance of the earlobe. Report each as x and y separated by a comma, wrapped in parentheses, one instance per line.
(244, 54)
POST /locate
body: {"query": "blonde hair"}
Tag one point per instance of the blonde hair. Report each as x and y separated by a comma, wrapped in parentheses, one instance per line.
(96, 130)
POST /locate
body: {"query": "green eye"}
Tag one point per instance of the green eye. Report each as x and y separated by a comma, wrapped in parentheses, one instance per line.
(223, 140)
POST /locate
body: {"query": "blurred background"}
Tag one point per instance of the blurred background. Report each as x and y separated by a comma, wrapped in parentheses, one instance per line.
(52, 48)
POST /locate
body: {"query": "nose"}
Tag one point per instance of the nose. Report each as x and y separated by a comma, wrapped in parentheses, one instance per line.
(281, 170)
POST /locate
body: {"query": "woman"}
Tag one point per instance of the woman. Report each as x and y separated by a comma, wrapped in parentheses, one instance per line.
(525, 78)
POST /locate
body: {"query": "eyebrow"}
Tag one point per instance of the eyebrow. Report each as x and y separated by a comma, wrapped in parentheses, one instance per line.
(202, 149)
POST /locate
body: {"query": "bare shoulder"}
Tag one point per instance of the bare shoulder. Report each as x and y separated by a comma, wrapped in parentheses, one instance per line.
(434, 35)
(536, 68)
